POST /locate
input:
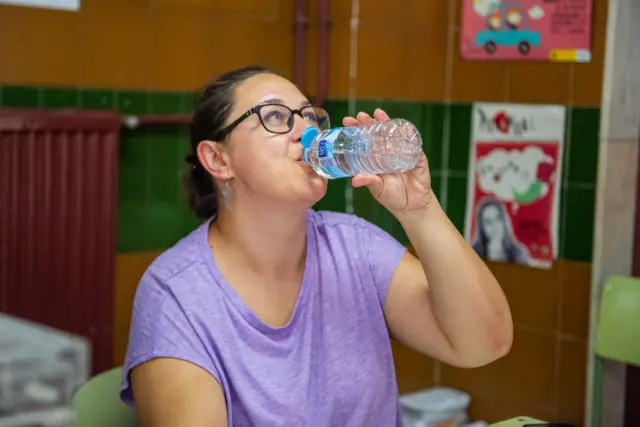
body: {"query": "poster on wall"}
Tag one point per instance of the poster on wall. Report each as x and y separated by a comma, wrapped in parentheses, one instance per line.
(515, 169)
(72, 5)
(522, 30)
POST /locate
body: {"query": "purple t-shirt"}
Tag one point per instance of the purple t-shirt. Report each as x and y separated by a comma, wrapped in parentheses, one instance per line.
(330, 365)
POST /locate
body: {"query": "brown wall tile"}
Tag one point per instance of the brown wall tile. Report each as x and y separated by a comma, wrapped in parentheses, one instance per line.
(433, 15)
(39, 47)
(527, 373)
(182, 56)
(382, 60)
(477, 81)
(426, 66)
(572, 381)
(540, 82)
(533, 295)
(115, 45)
(575, 298)
(587, 78)
(413, 370)
(476, 382)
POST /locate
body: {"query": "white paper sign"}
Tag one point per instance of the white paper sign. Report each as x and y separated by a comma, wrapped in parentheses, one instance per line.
(73, 5)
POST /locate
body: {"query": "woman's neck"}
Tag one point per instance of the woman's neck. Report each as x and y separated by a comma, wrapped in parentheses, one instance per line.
(270, 241)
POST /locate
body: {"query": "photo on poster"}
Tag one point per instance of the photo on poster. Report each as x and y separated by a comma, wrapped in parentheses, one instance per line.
(515, 168)
(550, 30)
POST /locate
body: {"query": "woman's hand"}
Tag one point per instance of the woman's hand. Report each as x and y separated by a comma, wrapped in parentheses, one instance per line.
(401, 193)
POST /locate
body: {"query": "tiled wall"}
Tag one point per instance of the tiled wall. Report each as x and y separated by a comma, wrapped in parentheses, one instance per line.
(153, 215)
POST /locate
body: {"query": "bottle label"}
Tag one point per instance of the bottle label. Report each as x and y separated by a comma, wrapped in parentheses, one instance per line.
(328, 157)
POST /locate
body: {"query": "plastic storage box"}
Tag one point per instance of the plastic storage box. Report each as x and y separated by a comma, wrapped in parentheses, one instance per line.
(40, 369)
(435, 407)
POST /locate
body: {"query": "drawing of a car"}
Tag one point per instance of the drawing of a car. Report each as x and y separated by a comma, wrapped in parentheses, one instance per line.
(507, 25)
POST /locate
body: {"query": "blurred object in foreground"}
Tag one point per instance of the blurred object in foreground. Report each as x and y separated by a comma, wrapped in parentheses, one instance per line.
(40, 369)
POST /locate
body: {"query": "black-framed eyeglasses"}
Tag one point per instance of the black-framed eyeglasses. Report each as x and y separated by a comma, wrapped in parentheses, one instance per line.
(279, 119)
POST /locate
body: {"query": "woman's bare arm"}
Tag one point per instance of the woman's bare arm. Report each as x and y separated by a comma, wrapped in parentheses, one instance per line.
(174, 393)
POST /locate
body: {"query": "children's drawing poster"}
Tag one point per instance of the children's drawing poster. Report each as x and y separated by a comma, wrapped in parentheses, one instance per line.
(552, 30)
(515, 169)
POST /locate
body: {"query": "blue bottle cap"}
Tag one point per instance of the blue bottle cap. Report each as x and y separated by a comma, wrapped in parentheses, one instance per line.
(308, 136)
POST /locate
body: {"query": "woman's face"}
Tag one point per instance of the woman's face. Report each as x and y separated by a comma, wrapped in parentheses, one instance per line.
(492, 223)
(266, 166)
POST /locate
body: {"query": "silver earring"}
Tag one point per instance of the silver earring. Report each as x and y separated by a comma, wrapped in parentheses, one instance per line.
(227, 194)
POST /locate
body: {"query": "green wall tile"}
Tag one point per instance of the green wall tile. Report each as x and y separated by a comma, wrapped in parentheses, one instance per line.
(582, 157)
(135, 149)
(457, 200)
(192, 100)
(459, 136)
(337, 109)
(167, 103)
(334, 200)
(164, 188)
(164, 147)
(411, 111)
(368, 105)
(368, 208)
(132, 102)
(577, 222)
(95, 99)
(60, 98)
(432, 134)
(20, 96)
(436, 182)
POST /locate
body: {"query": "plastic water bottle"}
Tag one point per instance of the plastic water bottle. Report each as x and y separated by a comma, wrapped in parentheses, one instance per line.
(384, 147)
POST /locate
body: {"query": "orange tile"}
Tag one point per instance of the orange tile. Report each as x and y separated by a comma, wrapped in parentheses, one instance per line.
(533, 294)
(115, 58)
(540, 83)
(39, 46)
(527, 373)
(426, 70)
(433, 15)
(382, 60)
(182, 58)
(572, 381)
(587, 78)
(482, 407)
(575, 291)
(477, 81)
(414, 371)
(383, 13)
(250, 10)
(477, 382)
(339, 55)
(501, 410)
(129, 270)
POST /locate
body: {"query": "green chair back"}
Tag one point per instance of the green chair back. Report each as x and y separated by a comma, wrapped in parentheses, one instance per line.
(517, 422)
(98, 404)
(617, 335)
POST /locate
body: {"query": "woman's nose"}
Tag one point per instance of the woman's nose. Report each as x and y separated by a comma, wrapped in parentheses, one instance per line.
(299, 125)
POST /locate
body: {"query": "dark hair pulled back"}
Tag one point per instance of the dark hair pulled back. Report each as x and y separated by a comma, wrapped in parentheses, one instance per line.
(210, 117)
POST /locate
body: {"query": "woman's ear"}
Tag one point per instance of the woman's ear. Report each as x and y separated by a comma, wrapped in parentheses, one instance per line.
(215, 160)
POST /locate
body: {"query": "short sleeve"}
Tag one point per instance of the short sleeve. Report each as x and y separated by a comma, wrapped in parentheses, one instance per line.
(160, 328)
(383, 253)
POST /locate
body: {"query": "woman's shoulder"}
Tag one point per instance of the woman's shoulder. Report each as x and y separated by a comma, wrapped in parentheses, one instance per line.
(179, 260)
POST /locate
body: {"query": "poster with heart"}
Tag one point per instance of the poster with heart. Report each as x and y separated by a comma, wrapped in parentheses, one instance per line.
(525, 30)
(515, 169)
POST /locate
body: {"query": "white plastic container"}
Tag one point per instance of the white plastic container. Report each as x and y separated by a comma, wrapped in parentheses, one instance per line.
(435, 407)
(40, 369)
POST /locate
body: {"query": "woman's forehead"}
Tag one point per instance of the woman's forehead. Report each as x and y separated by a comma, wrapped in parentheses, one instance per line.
(265, 88)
